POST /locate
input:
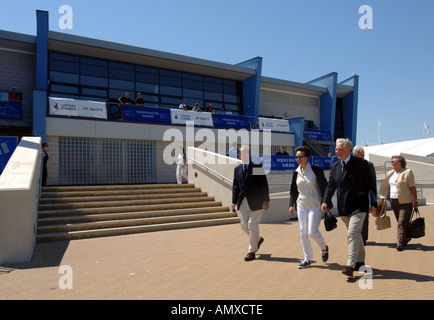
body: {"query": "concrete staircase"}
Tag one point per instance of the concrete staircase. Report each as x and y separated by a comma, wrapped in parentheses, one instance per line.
(68, 213)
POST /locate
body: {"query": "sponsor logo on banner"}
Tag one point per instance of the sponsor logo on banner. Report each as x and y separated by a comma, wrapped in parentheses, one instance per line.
(77, 108)
(199, 118)
(276, 125)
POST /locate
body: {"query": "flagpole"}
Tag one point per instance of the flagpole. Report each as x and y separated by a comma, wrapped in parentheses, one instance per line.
(379, 131)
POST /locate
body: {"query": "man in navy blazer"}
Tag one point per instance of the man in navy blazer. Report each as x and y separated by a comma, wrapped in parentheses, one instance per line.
(250, 195)
(351, 178)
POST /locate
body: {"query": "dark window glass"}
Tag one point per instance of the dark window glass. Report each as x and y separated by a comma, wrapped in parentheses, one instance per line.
(190, 84)
(189, 93)
(94, 81)
(147, 78)
(64, 89)
(147, 70)
(214, 96)
(64, 66)
(146, 87)
(121, 74)
(63, 57)
(213, 87)
(94, 92)
(94, 70)
(121, 84)
(64, 77)
(168, 81)
(95, 62)
(169, 73)
(172, 91)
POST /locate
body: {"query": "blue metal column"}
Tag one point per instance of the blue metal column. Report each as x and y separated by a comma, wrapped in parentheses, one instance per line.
(328, 101)
(350, 108)
(40, 93)
(252, 87)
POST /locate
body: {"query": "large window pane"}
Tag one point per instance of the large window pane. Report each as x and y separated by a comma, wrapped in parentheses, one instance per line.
(64, 77)
(94, 81)
(172, 91)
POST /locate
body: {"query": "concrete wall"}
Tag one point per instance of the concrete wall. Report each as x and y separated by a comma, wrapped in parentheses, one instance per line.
(221, 188)
(19, 198)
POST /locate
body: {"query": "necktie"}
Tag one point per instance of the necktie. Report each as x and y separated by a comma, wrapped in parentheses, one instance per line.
(245, 169)
(343, 166)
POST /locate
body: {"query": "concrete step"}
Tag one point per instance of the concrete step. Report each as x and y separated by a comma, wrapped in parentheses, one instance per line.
(68, 213)
(76, 235)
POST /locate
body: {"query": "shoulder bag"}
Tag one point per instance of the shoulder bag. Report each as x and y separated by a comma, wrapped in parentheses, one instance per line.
(416, 228)
(383, 222)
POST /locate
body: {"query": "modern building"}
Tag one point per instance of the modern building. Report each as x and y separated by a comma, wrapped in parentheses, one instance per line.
(64, 83)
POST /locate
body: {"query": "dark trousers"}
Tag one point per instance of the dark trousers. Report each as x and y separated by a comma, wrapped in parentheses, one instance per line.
(402, 214)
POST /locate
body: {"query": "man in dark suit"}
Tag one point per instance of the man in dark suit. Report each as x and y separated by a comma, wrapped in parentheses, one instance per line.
(250, 195)
(351, 178)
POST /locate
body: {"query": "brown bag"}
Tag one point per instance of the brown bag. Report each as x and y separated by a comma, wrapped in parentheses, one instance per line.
(383, 222)
(381, 208)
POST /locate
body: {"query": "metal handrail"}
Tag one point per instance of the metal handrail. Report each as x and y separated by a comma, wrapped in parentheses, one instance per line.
(212, 170)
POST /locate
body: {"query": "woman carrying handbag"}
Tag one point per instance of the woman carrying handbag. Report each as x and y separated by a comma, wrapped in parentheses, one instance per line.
(400, 189)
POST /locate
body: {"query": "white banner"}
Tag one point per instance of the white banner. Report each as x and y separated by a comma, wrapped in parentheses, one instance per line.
(276, 125)
(77, 108)
(199, 118)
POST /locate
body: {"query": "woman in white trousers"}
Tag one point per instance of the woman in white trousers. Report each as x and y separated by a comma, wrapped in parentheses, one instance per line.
(181, 168)
(307, 189)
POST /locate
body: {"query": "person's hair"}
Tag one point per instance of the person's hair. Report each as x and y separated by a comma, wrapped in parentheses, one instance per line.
(304, 149)
(346, 142)
(401, 159)
(358, 149)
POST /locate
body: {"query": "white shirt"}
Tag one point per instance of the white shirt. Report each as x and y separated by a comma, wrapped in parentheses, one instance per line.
(309, 195)
(180, 159)
(392, 183)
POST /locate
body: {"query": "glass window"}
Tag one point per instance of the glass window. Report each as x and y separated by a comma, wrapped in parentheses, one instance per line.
(121, 74)
(147, 78)
(147, 70)
(94, 81)
(121, 84)
(214, 96)
(146, 87)
(95, 62)
(190, 84)
(64, 77)
(122, 66)
(231, 98)
(64, 89)
(213, 87)
(64, 66)
(172, 91)
(192, 77)
(192, 93)
(169, 73)
(94, 92)
(94, 70)
(168, 81)
(169, 100)
(63, 57)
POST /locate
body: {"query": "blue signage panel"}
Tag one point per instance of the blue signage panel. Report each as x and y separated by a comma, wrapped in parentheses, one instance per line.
(7, 148)
(321, 135)
(11, 110)
(230, 121)
(146, 114)
(323, 162)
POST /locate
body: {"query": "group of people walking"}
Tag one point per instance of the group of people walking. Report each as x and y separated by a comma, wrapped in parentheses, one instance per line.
(352, 178)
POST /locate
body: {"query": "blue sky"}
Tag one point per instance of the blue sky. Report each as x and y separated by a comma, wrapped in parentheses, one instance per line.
(300, 40)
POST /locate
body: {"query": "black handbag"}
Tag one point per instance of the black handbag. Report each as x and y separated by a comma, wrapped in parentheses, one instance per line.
(416, 228)
(330, 222)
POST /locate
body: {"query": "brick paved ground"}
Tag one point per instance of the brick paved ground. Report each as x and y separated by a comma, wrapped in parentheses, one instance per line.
(207, 264)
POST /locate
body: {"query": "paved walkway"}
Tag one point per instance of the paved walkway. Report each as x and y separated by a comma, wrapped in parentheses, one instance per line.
(208, 264)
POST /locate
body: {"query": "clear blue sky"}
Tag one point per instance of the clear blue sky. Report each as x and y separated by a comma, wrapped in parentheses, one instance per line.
(300, 40)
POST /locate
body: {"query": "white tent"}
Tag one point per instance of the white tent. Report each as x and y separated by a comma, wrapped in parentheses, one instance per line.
(421, 147)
